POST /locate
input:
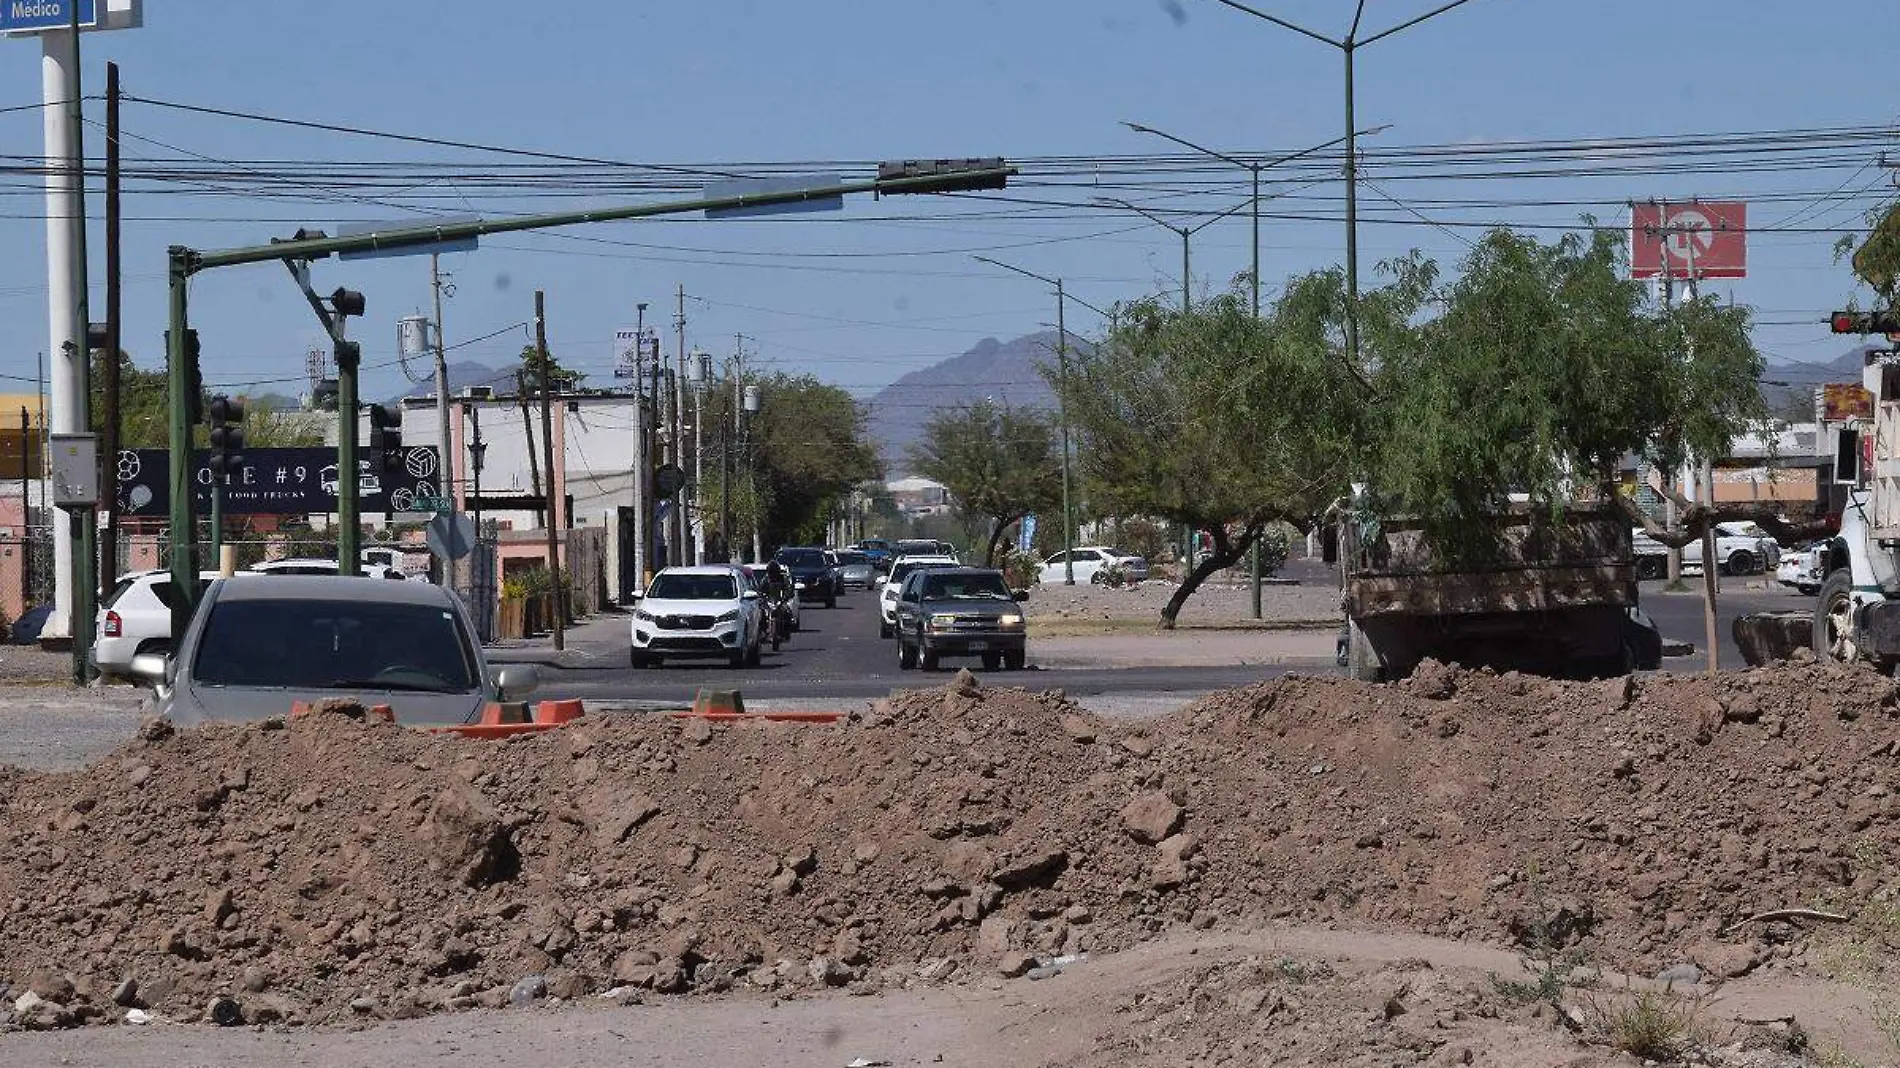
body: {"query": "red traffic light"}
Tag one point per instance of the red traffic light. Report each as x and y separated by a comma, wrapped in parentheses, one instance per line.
(1874, 322)
(1845, 323)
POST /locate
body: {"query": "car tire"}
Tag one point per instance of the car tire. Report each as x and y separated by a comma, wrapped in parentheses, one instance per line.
(992, 661)
(927, 659)
(885, 630)
(1013, 659)
(1652, 567)
(831, 601)
(906, 656)
(1743, 562)
(737, 657)
(757, 654)
(639, 660)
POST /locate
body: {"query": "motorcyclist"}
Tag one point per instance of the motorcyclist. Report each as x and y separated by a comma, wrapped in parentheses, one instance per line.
(775, 586)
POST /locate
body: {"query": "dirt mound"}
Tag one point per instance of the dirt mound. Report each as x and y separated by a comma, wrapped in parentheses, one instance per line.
(335, 867)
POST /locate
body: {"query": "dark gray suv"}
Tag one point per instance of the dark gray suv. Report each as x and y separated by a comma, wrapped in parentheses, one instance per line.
(960, 611)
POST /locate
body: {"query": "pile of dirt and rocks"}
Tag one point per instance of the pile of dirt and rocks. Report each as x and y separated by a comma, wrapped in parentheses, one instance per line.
(332, 867)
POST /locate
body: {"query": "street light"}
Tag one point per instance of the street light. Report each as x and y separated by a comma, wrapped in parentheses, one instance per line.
(1254, 167)
(1347, 46)
(1186, 232)
(1062, 406)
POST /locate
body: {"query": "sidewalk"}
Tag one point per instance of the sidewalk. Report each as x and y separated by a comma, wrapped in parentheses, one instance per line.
(1189, 648)
(590, 642)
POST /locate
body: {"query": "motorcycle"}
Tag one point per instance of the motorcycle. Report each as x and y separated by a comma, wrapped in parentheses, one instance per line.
(778, 620)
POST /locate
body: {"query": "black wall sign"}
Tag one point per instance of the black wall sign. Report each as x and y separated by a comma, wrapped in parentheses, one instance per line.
(278, 482)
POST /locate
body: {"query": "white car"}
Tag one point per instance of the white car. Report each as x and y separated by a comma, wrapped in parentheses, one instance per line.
(1089, 561)
(322, 565)
(1741, 548)
(136, 618)
(696, 612)
(887, 594)
(1805, 569)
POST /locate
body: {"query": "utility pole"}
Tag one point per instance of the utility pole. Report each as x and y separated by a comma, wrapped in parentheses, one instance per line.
(444, 457)
(547, 444)
(642, 466)
(657, 451)
(702, 377)
(522, 401)
(109, 433)
(85, 521)
(26, 475)
(679, 527)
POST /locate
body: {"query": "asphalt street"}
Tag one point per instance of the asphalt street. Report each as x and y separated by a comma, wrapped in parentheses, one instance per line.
(837, 654)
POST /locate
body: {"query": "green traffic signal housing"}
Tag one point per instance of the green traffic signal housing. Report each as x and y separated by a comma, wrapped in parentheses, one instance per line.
(385, 436)
(944, 175)
(226, 438)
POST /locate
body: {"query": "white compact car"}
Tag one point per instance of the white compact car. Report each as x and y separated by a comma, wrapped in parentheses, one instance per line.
(698, 612)
(1090, 560)
(136, 618)
(1805, 568)
(887, 594)
(1741, 548)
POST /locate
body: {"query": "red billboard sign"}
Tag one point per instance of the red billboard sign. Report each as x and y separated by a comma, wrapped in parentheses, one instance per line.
(1706, 239)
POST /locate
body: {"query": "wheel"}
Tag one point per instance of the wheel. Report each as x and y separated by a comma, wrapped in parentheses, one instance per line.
(992, 661)
(885, 630)
(775, 638)
(1013, 659)
(1651, 567)
(1834, 619)
(637, 659)
(831, 601)
(758, 651)
(1742, 562)
(906, 656)
(1095, 579)
(1362, 662)
(927, 660)
(737, 657)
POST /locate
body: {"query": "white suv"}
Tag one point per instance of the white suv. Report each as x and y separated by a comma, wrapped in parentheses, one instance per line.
(135, 618)
(887, 596)
(707, 611)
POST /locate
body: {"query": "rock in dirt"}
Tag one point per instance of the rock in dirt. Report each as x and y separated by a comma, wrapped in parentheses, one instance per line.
(1150, 817)
(466, 839)
(528, 990)
(1015, 965)
(965, 684)
(1723, 959)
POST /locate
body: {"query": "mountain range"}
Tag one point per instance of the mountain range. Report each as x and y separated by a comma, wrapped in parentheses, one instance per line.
(1789, 386)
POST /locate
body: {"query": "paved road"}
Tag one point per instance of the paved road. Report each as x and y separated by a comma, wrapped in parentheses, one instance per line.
(1679, 615)
(838, 655)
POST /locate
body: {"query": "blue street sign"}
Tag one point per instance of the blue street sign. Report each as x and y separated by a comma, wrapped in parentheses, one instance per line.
(20, 16)
(739, 187)
(466, 244)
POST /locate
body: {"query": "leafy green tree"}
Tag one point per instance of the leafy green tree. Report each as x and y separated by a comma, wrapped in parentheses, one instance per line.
(1215, 419)
(144, 413)
(804, 449)
(997, 462)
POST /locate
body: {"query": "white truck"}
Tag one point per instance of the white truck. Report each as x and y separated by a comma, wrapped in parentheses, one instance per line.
(1857, 614)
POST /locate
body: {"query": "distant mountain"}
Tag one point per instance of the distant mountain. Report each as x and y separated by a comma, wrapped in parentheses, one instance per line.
(1008, 372)
(1788, 387)
(461, 376)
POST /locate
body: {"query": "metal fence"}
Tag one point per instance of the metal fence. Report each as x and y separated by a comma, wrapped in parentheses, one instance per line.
(477, 579)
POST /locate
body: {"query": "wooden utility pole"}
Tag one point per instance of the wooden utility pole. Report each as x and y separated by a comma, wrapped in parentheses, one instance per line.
(109, 384)
(552, 514)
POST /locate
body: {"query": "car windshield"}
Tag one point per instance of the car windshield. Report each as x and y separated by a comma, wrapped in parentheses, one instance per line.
(801, 558)
(693, 588)
(302, 644)
(849, 557)
(965, 587)
(901, 570)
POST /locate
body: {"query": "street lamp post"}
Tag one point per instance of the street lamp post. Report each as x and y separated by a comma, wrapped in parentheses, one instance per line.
(1186, 232)
(1062, 406)
(1254, 168)
(1348, 45)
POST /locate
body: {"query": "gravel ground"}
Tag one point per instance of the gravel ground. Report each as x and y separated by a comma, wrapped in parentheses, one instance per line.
(30, 663)
(60, 727)
(1306, 591)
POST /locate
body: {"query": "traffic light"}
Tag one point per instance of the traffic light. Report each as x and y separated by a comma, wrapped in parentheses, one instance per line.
(346, 303)
(194, 394)
(348, 354)
(1874, 322)
(943, 175)
(227, 435)
(385, 436)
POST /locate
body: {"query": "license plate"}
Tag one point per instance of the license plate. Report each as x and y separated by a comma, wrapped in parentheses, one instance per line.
(977, 647)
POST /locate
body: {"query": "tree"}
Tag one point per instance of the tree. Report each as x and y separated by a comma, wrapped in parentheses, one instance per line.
(144, 407)
(1542, 370)
(805, 449)
(997, 462)
(1214, 419)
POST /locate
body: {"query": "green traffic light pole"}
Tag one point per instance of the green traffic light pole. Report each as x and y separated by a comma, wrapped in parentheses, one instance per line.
(1254, 167)
(1348, 45)
(1062, 405)
(185, 262)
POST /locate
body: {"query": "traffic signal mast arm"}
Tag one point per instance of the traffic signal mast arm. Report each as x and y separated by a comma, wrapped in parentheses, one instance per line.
(904, 176)
(1873, 322)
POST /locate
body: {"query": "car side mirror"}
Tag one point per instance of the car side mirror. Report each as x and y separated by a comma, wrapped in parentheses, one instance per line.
(1019, 595)
(516, 681)
(749, 595)
(152, 669)
(637, 596)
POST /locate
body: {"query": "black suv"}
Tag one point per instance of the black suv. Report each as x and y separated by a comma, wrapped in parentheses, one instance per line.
(811, 574)
(959, 611)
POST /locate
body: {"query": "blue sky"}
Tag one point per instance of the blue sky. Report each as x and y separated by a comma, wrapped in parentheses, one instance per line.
(862, 296)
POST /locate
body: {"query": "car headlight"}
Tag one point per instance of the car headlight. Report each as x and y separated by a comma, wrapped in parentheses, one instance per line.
(1012, 619)
(798, 585)
(942, 620)
(728, 617)
(643, 615)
